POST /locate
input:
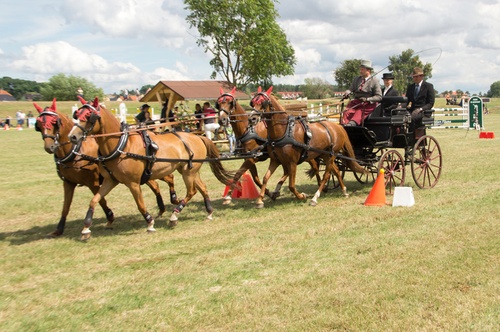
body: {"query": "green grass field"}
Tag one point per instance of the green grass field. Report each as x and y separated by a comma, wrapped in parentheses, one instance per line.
(340, 266)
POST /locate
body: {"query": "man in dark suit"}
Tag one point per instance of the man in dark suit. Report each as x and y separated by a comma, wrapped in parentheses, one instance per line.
(388, 91)
(421, 98)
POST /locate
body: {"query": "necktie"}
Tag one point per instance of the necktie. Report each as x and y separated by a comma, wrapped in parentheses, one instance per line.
(362, 84)
(417, 89)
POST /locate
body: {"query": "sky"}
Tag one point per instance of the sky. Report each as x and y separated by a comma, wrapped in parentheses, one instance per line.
(127, 44)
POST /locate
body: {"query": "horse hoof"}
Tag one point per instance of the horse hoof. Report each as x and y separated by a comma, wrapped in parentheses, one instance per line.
(313, 203)
(151, 230)
(85, 237)
(108, 225)
(172, 223)
(259, 205)
(226, 201)
(275, 195)
(209, 218)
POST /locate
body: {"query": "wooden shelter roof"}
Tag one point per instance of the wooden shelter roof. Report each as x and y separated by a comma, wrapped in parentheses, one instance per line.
(185, 90)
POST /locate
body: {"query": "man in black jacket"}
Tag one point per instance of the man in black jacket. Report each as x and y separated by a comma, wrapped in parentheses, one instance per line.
(421, 98)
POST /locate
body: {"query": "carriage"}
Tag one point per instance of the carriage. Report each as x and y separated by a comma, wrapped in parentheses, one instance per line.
(385, 141)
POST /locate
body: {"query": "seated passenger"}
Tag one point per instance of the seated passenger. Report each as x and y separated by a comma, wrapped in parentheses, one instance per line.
(390, 91)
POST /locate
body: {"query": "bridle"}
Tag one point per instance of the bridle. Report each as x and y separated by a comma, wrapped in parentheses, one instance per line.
(47, 124)
(89, 114)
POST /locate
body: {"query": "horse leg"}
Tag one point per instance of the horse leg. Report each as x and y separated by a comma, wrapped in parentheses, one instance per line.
(155, 188)
(326, 176)
(135, 189)
(336, 171)
(110, 217)
(277, 191)
(202, 188)
(259, 204)
(107, 185)
(189, 178)
(69, 190)
(169, 179)
(291, 182)
(255, 175)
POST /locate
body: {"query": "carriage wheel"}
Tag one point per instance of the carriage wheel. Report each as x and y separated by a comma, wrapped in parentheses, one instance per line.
(394, 170)
(426, 162)
(369, 176)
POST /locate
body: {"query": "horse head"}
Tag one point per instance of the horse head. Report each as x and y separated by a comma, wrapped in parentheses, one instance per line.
(261, 101)
(48, 123)
(88, 116)
(225, 105)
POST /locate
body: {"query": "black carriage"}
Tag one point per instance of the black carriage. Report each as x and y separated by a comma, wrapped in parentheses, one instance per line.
(386, 141)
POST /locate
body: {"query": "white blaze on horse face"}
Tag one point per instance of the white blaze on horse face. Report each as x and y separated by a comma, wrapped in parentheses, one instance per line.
(75, 135)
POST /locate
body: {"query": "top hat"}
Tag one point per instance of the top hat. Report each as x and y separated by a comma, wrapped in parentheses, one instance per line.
(145, 106)
(387, 76)
(417, 71)
(367, 64)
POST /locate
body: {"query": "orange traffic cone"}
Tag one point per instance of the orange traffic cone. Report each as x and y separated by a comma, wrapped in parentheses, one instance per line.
(377, 194)
(248, 188)
(245, 188)
(236, 192)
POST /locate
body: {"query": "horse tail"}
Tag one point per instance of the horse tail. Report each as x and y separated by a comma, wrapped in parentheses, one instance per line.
(223, 175)
(349, 152)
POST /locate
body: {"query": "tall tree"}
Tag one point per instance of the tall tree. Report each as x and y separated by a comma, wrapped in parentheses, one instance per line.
(347, 71)
(494, 91)
(402, 67)
(64, 87)
(247, 44)
(316, 88)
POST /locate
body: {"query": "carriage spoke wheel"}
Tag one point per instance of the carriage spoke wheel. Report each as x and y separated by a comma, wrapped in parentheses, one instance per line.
(369, 176)
(426, 162)
(394, 170)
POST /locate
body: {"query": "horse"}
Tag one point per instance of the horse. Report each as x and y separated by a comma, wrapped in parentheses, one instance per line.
(127, 159)
(294, 140)
(76, 164)
(252, 135)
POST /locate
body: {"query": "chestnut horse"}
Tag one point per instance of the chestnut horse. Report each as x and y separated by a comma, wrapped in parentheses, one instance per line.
(252, 135)
(125, 159)
(294, 141)
(76, 164)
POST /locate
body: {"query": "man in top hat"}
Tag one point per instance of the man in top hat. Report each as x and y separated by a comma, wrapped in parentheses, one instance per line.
(367, 94)
(421, 98)
(141, 117)
(389, 91)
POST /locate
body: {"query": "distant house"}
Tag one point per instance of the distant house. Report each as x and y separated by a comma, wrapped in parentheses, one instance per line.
(290, 94)
(5, 96)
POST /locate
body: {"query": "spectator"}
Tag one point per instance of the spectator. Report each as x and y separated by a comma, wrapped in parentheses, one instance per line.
(30, 115)
(231, 139)
(209, 120)
(163, 114)
(141, 117)
(421, 98)
(198, 114)
(367, 94)
(79, 92)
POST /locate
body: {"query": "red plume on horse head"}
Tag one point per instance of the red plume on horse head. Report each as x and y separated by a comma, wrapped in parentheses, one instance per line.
(94, 104)
(233, 90)
(268, 92)
(52, 107)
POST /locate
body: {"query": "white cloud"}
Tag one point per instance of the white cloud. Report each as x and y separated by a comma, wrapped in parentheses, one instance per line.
(129, 43)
